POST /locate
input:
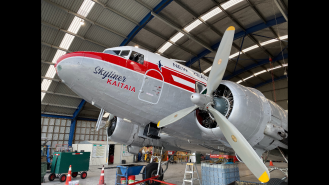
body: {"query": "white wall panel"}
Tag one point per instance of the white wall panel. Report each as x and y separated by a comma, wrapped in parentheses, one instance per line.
(85, 131)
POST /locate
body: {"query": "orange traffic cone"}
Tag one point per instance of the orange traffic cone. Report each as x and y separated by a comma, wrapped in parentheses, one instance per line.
(101, 178)
(68, 178)
(271, 164)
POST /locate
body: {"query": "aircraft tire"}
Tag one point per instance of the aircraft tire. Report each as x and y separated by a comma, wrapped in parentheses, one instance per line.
(151, 170)
(276, 181)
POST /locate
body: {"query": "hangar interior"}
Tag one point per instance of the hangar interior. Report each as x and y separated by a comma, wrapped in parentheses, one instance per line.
(188, 31)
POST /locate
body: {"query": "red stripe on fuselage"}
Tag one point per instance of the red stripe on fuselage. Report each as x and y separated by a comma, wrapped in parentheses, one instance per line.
(140, 68)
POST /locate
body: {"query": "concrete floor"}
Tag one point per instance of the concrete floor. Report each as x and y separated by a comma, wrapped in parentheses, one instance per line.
(174, 174)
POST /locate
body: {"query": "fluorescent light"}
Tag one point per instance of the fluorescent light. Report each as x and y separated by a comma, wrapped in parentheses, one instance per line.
(250, 48)
(164, 47)
(284, 65)
(260, 72)
(230, 3)
(205, 71)
(82, 22)
(283, 37)
(211, 13)
(193, 25)
(136, 46)
(176, 37)
(270, 69)
(239, 81)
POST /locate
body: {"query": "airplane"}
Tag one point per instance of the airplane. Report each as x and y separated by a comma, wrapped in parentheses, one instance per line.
(155, 101)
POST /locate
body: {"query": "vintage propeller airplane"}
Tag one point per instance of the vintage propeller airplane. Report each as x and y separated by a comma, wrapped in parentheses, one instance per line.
(139, 88)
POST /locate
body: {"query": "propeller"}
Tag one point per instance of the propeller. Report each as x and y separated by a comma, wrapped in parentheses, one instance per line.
(205, 101)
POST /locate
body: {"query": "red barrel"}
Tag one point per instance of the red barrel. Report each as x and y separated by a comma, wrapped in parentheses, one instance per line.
(131, 179)
(123, 180)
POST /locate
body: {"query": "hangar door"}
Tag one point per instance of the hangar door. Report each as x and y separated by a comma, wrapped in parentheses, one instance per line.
(152, 87)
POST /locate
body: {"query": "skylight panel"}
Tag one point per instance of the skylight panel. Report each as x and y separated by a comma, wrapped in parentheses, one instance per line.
(250, 48)
(176, 37)
(206, 71)
(66, 42)
(268, 42)
(75, 25)
(211, 13)
(58, 54)
(260, 72)
(239, 81)
(248, 77)
(270, 69)
(164, 47)
(230, 3)
(283, 37)
(284, 65)
(106, 115)
(193, 25)
(85, 7)
(234, 55)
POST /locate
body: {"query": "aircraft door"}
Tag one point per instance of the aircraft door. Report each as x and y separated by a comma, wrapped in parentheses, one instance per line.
(152, 87)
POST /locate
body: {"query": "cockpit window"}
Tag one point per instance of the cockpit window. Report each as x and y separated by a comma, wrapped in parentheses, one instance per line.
(112, 52)
(137, 57)
(124, 53)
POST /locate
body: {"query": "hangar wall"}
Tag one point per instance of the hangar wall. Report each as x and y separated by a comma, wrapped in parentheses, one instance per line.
(86, 131)
(281, 92)
(56, 130)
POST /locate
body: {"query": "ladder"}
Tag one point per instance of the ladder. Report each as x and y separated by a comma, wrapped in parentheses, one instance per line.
(188, 170)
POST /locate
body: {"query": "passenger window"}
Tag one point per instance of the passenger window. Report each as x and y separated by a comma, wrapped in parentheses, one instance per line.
(124, 53)
(112, 52)
(137, 57)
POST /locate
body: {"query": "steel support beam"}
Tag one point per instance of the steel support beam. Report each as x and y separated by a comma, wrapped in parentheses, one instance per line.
(87, 119)
(74, 120)
(182, 31)
(239, 35)
(56, 116)
(55, 47)
(263, 62)
(269, 81)
(84, 18)
(281, 10)
(145, 20)
(60, 94)
(52, 79)
(46, 62)
(66, 31)
(57, 105)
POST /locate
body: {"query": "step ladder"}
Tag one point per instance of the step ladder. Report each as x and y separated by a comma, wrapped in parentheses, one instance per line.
(190, 170)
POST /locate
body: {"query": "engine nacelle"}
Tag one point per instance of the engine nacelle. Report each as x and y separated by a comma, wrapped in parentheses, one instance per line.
(129, 133)
(246, 108)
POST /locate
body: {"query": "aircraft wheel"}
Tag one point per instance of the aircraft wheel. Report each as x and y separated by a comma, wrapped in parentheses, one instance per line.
(151, 171)
(276, 181)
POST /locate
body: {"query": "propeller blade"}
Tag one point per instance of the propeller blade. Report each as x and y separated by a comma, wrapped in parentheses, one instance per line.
(176, 116)
(241, 147)
(220, 62)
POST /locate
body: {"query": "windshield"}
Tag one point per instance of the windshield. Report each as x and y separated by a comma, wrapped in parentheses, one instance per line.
(112, 52)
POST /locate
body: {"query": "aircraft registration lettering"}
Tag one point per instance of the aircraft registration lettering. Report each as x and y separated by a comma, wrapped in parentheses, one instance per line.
(121, 85)
(200, 76)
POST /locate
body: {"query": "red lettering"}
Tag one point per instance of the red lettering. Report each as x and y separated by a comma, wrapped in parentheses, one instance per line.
(114, 83)
(109, 81)
(118, 84)
(133, 89)
(126, 87)
(122, 85)
(129, 88)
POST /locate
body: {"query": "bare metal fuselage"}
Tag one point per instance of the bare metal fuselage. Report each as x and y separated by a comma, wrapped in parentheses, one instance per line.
(147, 93)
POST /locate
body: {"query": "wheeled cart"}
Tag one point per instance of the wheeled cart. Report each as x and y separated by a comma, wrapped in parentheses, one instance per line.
(79, 162)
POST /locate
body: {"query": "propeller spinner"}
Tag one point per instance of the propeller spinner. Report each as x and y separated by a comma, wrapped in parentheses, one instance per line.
(205, 102)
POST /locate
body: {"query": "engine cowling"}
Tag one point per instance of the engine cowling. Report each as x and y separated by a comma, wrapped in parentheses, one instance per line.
(246, 108)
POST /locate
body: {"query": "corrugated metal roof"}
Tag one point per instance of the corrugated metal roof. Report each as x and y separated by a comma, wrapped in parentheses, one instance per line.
(62, 88)
(72, 5)
(177, 14)
(59, 110)
(103, 36)
(130, 8)
(52, 14)
(61, 100)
